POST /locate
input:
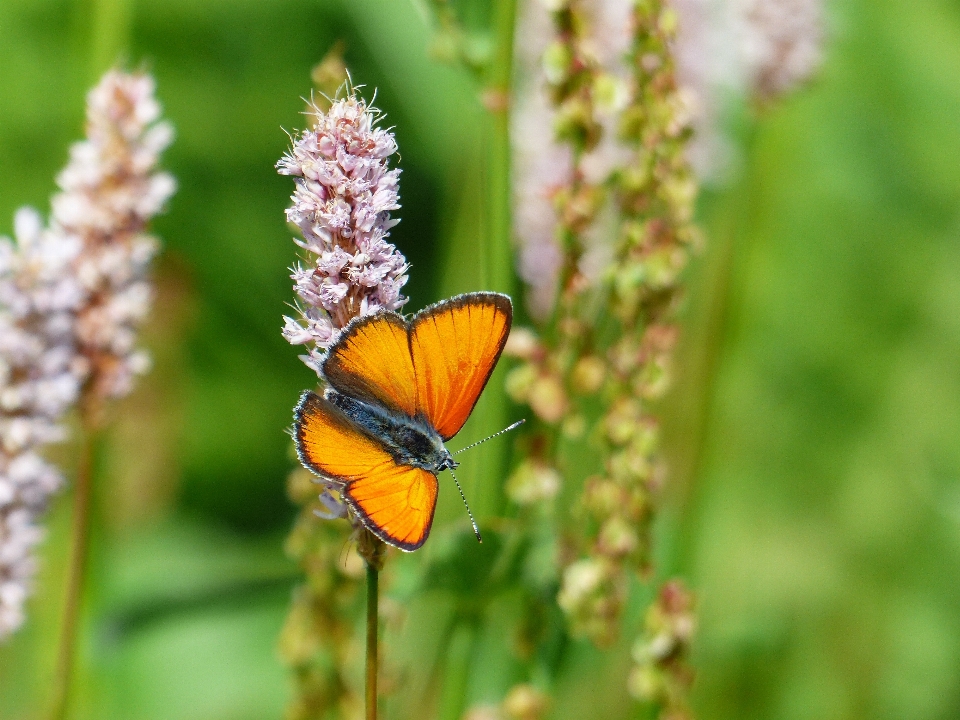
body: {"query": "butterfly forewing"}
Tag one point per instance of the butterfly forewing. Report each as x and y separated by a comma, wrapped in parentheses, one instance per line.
(455, 346)
(371, 362)
(396, 502)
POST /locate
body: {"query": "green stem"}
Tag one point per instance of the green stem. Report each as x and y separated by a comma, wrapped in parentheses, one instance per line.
(79, 541)
(110, 37)
(721, 292)
(373, 578)
(461, 652)
(501, 251)
(497, 257)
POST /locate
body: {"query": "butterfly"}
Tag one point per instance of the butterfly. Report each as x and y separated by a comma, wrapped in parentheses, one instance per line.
(397, 390)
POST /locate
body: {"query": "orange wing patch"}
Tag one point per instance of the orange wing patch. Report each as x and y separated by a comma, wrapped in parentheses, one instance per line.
(332, 445)
(371, 361)
(395, 502)
(397, 506)
(455, 346)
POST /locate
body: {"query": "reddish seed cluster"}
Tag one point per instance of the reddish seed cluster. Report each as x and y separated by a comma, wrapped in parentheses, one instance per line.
(662, 674)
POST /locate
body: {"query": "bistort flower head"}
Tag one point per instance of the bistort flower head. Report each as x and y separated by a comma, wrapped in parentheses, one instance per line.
(781, 44)
(39, 380)
(109, 192)
(540, 164)
(761, 50)
(71, 297)
(344, 194)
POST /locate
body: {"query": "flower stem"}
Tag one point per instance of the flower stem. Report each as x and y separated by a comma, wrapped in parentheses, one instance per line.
(497, 256)
(500, 247)
(373, 619)
(721, 289)
(79, 542)
(110, 36)
(461, 651)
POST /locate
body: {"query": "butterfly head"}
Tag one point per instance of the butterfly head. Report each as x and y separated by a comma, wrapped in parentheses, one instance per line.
(447, 462)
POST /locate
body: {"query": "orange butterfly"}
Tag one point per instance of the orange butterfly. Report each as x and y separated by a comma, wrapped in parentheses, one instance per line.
(396, 392)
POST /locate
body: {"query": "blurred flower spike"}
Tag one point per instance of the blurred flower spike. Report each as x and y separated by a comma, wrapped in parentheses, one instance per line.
(662, 674)
(344, 194)
(39, 381)
(71, 297)
(110, 191)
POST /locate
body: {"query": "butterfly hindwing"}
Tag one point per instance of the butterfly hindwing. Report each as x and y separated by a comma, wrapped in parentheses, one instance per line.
(330, 444)
(455, 345)
(397, 505)
(371, 361)
(395, 502)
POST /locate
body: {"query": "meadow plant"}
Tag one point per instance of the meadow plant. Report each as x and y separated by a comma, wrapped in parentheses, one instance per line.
(561, 218)
(606, 97)
(619, 113)
(344, 194)
(603, 196)
(603, 199)
(73, 295)
(109, 192)
(735, 50)
(342, 202)
(592, 370)
(781, 44)
(40, 377)
(661, 675)
(541, 165)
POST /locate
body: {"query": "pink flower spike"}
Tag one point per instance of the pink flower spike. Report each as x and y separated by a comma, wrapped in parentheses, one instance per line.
(344, 193)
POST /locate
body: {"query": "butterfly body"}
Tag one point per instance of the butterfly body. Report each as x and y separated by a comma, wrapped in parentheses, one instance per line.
(397, 390)
(409, 440)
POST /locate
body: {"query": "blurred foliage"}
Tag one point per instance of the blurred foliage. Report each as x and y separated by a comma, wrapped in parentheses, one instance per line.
(817, 510)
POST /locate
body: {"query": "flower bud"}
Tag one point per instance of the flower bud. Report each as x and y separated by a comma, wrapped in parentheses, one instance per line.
(547, 398)
(522, 343)
(533, 481)
(588, 374)
(645, 683)
(525, 702)
(519, 381)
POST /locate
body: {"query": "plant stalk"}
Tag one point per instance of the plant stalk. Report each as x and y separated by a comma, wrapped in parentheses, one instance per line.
(76, 572)
(461, 652)
(373, 621)
(110, 36)
(499, 97)
(497, 257)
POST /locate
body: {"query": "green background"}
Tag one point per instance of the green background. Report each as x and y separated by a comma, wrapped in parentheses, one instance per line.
(814, 432)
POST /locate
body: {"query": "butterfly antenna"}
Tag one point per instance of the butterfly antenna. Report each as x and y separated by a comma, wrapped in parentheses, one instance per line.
(517, 424)
(476, 530)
